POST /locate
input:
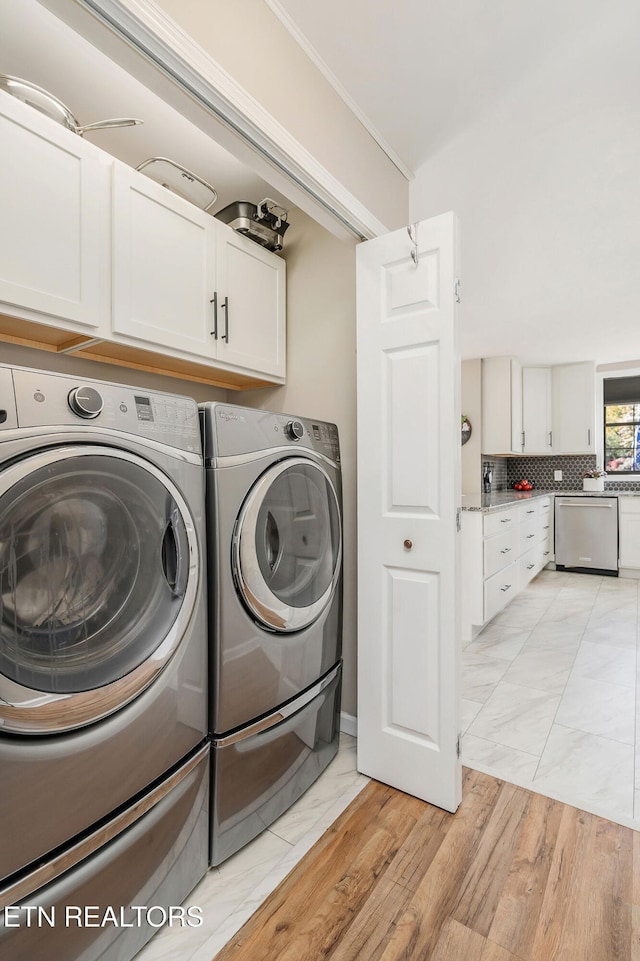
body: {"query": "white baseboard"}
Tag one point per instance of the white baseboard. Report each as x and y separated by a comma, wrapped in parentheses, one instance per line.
(348, 724)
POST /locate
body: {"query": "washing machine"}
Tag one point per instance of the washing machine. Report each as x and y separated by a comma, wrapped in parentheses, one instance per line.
(274, 534)
(104, 761)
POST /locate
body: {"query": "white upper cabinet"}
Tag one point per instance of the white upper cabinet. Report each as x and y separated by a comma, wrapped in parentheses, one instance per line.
(251, 281)
(164, 266)
(501, 406)
(537, 426)
(573, 389)
(55, 203)
(189, 283)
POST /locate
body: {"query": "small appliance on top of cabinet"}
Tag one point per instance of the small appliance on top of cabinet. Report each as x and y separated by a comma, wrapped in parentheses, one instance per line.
(103, 697)
(274, 530)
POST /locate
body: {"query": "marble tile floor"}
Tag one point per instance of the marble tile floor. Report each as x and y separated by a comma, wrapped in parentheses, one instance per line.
(229, 894)
(550, 693)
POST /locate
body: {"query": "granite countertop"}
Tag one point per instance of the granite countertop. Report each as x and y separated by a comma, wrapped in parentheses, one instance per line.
(498, 500)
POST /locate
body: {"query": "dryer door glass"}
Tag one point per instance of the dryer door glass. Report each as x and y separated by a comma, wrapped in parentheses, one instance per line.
(287, 548)
(94, 570)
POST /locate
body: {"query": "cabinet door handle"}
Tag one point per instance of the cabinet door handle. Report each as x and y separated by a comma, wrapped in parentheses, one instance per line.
(214, 301)
(225, 307)
(523, 440)
(589, 437)
(550, 438)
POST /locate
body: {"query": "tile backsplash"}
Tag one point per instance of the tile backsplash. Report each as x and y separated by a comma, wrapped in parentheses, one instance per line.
(539, 470)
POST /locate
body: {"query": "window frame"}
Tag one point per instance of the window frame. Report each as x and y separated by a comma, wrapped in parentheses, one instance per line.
(609, 372)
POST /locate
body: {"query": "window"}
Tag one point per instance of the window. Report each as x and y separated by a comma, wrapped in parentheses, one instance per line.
(622, 425)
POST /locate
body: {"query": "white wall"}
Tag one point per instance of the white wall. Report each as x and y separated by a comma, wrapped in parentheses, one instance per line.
(246, 38)
(321, 378)
(547, 191)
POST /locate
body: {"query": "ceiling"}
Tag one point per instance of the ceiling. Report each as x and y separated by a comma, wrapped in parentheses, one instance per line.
(37, 46)
(422, 70)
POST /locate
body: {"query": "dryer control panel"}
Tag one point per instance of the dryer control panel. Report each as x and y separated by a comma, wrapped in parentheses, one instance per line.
(229, 430)
(33, 398)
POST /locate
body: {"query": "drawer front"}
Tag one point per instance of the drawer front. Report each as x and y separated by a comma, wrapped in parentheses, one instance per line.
(499, 589)
(629, 505)
(546, 551)
(500, 521)
(500, 550)
(528, 566)
(529, 534)
(529, 511)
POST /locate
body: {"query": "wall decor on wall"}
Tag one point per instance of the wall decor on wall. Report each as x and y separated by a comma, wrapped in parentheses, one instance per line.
(466, 429)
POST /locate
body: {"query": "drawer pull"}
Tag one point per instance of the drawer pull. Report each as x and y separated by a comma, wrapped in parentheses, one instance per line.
(505, 520)
(408, 544)
(505, 588)
(505, 550)
(529, 566)
(545, 527)
(546, 553)
(529, 536)
(531, 511)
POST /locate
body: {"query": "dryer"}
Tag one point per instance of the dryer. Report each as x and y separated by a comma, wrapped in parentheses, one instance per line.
(274, 534)
(103, 699)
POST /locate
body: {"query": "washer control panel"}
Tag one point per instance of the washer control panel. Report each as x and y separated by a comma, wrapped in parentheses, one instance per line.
(43, 399)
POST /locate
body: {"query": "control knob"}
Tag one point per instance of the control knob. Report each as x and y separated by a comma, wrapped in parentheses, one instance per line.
(294, 430)
(85, 402)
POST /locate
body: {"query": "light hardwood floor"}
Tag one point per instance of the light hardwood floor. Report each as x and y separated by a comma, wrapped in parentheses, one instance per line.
(513, 876)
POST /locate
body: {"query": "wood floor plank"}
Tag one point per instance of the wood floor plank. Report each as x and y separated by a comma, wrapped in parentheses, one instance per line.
(516, 919)
(458, 941)
(512, 876)
(482, 887)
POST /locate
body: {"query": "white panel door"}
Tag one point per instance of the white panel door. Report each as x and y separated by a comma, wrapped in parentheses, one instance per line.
(409, 495)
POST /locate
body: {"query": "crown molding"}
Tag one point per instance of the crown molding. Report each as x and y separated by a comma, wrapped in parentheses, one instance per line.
(303, 42)
(149, 30)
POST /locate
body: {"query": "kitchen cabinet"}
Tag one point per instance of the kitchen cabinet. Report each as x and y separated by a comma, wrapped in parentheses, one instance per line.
(501, 406)
(629, 533)
(55, 191)
(574, 412)
(187, 282)
(537, 425)
(502, 550)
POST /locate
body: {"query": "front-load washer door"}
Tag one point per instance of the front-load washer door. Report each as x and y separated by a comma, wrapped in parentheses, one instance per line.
(98, 577)
(287, 545)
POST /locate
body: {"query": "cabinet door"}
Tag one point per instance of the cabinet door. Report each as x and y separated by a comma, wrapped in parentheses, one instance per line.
(574, 408)
(163, 266)
(536, 410)
(251, 304)
(54, 198)
(629, 532)
(501, 405)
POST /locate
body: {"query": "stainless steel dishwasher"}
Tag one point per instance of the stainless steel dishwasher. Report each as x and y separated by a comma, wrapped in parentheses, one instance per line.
(586, 534)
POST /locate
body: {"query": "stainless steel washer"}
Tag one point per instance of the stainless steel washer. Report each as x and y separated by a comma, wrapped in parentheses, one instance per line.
(103, 700)
(274, 531)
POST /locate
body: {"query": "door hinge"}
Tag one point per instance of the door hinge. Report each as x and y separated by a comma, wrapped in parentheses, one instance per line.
(456, 290)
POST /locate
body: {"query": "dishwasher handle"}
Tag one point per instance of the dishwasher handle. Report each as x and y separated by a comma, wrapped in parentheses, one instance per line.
(573, 504)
